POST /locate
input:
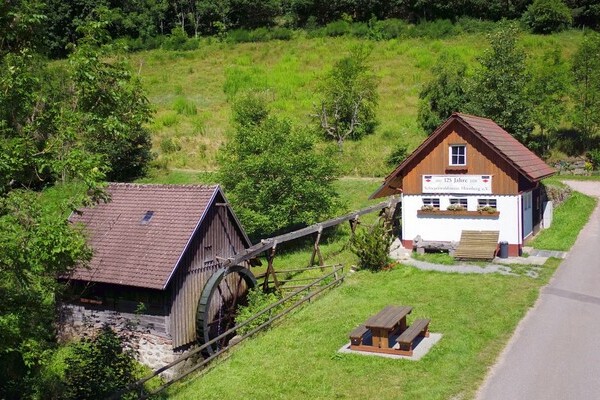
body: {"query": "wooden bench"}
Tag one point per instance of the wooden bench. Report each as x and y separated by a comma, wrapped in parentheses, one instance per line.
(356, 336)
(477, 245)
(418, 328)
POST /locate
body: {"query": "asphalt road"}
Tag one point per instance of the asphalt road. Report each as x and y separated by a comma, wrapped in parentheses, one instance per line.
(555, 351)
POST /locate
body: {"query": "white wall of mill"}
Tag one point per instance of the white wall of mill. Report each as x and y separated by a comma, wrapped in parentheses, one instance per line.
(448, 228)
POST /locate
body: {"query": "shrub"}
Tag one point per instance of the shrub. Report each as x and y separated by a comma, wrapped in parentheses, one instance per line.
(547, 16)
(260, 35)
(473, 25)
(437, 29)
(397, 155)
(372, 247)
(176, 39)
(594, 158)
(338, 28)
(257, 301)
(239, 36)
(184, 106)
(361, 30)
(168, 145)
(99, 367)
(282, 34)
(391, 28)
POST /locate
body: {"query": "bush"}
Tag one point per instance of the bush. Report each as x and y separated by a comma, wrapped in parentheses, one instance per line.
(260, 35)
(391, 29)
(473, 25)
(437, 29)
(239, 36)
(372, 247)
(547, 16)
(176, 40)
(397, 155)
(168, 145)
(99, 367)
(338, 28)
(594, 158)
(282, 34)
(257, 301)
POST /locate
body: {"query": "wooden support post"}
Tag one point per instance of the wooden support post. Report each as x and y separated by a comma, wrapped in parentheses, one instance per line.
(317, 250)
(270, 270)
(353, 224)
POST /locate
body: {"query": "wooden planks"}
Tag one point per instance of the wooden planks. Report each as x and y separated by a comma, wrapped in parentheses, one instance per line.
(477, 245)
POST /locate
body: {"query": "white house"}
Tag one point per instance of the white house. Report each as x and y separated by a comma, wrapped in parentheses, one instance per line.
(469, 174)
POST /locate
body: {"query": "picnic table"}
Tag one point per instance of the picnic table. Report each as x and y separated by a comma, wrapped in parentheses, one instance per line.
(391, 321)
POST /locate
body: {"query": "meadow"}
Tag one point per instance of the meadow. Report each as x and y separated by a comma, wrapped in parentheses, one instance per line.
(298, 358)
(192, 91)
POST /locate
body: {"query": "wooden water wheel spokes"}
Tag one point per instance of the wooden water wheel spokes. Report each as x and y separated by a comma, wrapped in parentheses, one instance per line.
(224, 291)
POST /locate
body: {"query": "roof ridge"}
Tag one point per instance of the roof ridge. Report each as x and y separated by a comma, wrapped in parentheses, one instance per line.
(459, 114)
(162, 185)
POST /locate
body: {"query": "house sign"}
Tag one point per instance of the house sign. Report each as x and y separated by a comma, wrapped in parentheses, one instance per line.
(468, 184)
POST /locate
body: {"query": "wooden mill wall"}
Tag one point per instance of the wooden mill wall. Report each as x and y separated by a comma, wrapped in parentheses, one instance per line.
(217, 237)
(481, 160)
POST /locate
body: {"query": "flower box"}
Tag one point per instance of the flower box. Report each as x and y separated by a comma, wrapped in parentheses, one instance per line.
(462, 213)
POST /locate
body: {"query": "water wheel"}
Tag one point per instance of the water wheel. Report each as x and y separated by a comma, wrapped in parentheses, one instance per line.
(224, 291)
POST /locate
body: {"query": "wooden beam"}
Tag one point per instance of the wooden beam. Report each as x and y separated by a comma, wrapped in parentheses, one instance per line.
(266, 244)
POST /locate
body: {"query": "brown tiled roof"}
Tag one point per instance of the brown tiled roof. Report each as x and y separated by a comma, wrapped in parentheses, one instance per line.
(530, 165)
(506, 146)
(128, 251)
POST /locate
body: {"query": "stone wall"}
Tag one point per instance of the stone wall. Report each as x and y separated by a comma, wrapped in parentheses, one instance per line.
(153, 348)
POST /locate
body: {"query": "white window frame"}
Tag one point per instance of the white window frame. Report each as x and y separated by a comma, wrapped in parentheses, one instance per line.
(462, 201)
(463, 155)
(487, 203)
(432, 201)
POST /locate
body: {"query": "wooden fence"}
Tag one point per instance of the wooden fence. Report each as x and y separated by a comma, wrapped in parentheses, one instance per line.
(298, 297)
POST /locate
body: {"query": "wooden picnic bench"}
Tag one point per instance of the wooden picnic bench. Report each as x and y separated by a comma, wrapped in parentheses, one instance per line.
(418, 328)
(357, 335)
(390, 320)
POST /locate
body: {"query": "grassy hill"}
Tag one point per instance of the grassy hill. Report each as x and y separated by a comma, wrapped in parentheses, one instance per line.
(192, 91)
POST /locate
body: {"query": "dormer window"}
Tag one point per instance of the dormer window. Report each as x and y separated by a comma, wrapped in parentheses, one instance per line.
(458, 155)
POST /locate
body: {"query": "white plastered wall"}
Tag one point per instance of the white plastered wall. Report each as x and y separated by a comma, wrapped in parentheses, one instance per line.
(448, 227)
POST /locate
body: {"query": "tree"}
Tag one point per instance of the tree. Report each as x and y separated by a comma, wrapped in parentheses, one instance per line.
(349, 98)
(547, 16)
(499, 88)
(586, 93)
(547, 91)
(273, 173)
(444, 94)
(107, 105)
(37, 245)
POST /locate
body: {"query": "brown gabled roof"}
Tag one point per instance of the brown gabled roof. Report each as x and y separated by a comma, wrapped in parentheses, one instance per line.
(529, 164)
(503, 143)
(131, 251)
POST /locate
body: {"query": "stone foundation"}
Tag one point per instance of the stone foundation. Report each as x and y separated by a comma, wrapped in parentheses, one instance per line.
(151, 347)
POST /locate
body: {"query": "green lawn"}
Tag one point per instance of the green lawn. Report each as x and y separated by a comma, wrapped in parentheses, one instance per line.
(569, 218)
(298, 359)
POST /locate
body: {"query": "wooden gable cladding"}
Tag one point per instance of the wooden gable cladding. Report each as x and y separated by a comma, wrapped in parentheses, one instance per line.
(480, 160)
(218, 238)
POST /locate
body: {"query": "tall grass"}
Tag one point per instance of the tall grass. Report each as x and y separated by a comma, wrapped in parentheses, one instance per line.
(214, 74)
